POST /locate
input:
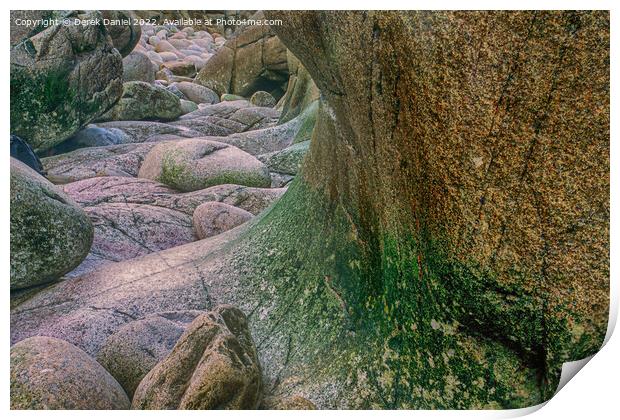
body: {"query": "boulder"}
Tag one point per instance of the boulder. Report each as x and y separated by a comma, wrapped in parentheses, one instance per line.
(213, 366)
(50, 234)
(144, 101)
(115, 189)
(61, 79)
(254, 59)
(194, 164)
(213, 218)
(51, 374)
(286, 161)
(91, 136)
(22, 151)
(131, 352)
(124, 36)
(138, 67)
(262, 98)
(148, 131)
(181, 68)
(188, 106)
(197, 93)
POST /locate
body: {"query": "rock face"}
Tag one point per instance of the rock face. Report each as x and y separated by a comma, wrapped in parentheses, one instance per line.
(194, 164)
(135, 349)
(50, 234)
(143, 101)
(125, 36)
(51, 374)
(212, 366)
(254, 59)
(213, 218)
(61, 79)
(137, 67)
(300, 92)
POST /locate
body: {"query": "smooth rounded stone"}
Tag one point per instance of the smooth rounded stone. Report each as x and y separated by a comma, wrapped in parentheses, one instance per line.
(121, 160)
(114, 189)
(286, 161)
(179, 44)
(197, 93)
(213, 218)
(179, 35)
(194, 164)
(137, 66)
(231, 97)
(91, 136)
(144, 101)
(51, 374)
(155, 59)
(173, 87)
(188, 106)
(165, 75)
(131, 352)
(203, 42)
(296, 402)
(198, 62)
(203, 35)
(262, 98)
(22, 151)
(124, 231)
(188, 30)
(50, 233)
(154, 40)
(214, 365)
(149, 131)
(165, 46)
(162, 34)
(167, 56)
(61, 79)
(124, 36)
(181, 68)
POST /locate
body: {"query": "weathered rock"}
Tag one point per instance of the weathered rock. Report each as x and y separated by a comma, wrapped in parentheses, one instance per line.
(22, 151)
(91, 136)
(197, 93)
(151, 131)
(131, 352)
(188, 106)
(295, 402)
(213, 366)
(231, 97)
(50, 234)
(262, 98)
(181, 68)
(111, 189)
(138, 67)
(51, 374)
(61, 79)
(124, 231)
(121, 160)
(301, 91)
(124, 36)
(194, 164)
(286, 161)
(213, 218)
(144, 101)
(258, 59)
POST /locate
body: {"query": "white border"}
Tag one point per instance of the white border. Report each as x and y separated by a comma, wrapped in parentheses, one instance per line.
(593, 394)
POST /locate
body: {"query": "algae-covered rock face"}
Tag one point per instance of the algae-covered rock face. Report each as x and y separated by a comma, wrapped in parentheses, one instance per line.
(51, 374)
(286, 161)
(194, 164)
(213, 366)
(62, 78)
(301, 91)
(144, 101)
(50, 234)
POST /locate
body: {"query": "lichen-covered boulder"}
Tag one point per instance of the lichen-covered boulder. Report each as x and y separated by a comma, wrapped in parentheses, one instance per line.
(50, 234)
(138, 67)
(213, 366)
(213, 218)
(262, 98)
(62, 78)
(286, 161)
(194, 164)
(144, 101)
(50, 374)
(131, 352)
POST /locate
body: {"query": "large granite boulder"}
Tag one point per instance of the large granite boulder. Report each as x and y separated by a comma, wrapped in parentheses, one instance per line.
(51, 374)
(214, 365)
(130, 353)
(253, 59)
(194, 164)
(62, 78)
(144, 101)
(138, 67)
(50, 234)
